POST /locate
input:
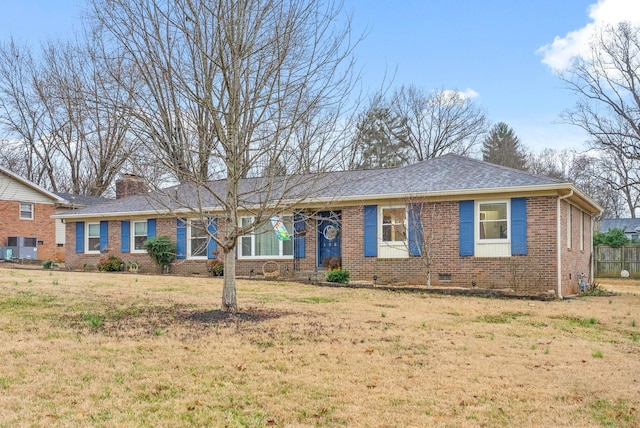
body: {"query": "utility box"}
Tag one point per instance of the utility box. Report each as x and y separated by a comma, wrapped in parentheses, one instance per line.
(6, 253)
(21, 248)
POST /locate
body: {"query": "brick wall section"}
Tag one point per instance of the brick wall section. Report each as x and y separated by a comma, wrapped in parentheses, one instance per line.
(533, 273)
(574, 259)
(42, 227)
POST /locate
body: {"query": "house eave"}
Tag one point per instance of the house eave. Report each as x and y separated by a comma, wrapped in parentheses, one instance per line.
(559, 189)
(54, 198)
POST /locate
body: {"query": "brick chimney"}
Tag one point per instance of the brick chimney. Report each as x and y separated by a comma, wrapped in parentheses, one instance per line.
(129, 185)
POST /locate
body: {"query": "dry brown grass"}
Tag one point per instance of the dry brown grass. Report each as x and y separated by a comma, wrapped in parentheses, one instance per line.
(96, 349)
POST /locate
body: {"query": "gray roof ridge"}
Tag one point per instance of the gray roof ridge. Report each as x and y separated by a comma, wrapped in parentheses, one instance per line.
(505, 168)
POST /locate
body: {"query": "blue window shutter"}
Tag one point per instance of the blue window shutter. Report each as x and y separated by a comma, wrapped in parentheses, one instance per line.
(151, 228)
(519, 226)
(80, 237)
(466, 238)
(125, 236)
(212, 228)
(415, 230)
(299, 239)
(370, 230)
(104, 235)
(181, 238)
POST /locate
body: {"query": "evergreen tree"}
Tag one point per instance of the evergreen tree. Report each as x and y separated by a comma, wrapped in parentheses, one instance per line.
(502, 147)
(376, 144)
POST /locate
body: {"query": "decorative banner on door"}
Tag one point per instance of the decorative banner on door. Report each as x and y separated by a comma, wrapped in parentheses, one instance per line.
(281, 231)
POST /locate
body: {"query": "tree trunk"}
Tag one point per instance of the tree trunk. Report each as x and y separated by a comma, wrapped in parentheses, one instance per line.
(229, 302)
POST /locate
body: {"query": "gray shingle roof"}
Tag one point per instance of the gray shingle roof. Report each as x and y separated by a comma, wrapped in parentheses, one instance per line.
(81, 200)
(448, 173)
(626, 224)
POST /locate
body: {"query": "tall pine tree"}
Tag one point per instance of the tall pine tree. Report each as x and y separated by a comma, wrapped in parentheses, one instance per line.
(502, 147)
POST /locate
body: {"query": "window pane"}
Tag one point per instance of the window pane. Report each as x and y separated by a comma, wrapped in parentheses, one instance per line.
(198, 247)
(140, 228)
(94, 244)
(94, 230)
(266, 241)
(26, 210)
(393, 224)
(198, 239)
(246, 246)
(287, 246)
(494, 211)
(493, 221)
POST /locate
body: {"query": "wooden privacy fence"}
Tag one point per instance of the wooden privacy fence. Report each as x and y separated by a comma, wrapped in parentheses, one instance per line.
(609, 262)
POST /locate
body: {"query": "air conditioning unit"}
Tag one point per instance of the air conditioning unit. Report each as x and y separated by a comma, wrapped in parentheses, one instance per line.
(22, 247)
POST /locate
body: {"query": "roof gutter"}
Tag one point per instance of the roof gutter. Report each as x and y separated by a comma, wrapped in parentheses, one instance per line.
(559, 241)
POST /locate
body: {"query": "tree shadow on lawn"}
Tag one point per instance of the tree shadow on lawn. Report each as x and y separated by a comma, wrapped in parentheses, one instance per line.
(220, 317)
(156, 321)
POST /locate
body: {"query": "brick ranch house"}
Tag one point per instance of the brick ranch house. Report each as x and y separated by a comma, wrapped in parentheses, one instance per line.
(473, 224)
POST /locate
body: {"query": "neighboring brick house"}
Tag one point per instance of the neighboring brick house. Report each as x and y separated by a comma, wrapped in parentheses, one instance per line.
(25, 219)
(474, 224)
(26, 211)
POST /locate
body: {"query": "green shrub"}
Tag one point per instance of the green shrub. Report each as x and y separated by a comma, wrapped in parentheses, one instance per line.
(215, 267)
(338, 275)
(47, 264)
(110, 264)
(614, 238)
(160, 249)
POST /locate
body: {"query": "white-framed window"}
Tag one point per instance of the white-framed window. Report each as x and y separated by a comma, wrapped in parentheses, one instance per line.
(138, 235)
(92, 234)
(197, 239)
(581, 231)
(392, 231)
(263, 242)
(569, 222)
(493, 221)
(492, 228)
(26, 211)
(394, 224)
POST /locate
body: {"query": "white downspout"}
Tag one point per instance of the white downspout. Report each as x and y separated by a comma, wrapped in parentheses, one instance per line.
(559, 241)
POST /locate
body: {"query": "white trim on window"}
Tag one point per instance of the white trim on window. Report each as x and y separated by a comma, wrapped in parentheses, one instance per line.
(581, 231)
(201, 239)
(26, 211)
(392, 225)
(133, 235)
(247, 244)
(492, 228)
(92, 238)
(569, 231)
(496, 228)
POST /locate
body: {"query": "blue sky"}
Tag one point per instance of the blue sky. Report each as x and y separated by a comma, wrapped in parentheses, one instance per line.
(500, 52)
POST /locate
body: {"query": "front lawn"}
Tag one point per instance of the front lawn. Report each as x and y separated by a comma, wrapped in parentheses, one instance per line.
(100, 349)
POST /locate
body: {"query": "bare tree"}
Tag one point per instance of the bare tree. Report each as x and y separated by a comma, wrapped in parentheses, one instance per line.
(607, 82)
(437, 122)
(610, 182)
(425, 235)
(52, 111)
(24, 116)
(230, 88)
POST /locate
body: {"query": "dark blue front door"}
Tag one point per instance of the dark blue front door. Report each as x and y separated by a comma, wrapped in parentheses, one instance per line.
(328, 236)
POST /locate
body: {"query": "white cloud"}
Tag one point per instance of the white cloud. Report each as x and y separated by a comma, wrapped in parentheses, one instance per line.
(562, 50)
(467, 93)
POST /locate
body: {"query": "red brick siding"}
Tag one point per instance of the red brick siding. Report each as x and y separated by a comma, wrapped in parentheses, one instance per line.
(42, 227)
(574, 259)
(533, 273)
